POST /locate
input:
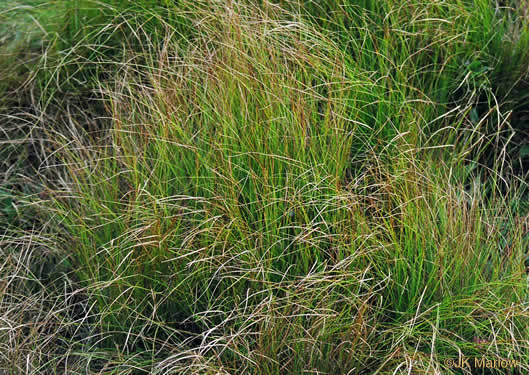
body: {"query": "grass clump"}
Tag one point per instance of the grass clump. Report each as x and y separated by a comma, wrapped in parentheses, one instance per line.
(272, 188)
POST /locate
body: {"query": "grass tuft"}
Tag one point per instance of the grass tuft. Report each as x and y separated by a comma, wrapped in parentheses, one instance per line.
(262, 187)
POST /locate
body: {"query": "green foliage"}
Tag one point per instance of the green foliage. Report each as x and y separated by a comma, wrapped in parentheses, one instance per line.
(264, 188)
